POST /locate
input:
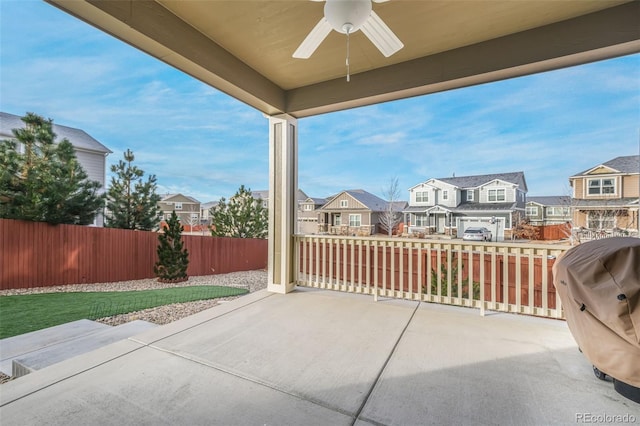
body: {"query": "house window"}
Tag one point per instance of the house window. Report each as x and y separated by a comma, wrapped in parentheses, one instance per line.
(601, 219)
(445, 194)
(558, 211)
(337, 220)
(308, 207)
(497, 195)
(469, 195)
(344, 203)
(601, 186)
(531, 211)
(422, 197)
(178, 206)
(420, 220)
(194, 216)
(355, 220)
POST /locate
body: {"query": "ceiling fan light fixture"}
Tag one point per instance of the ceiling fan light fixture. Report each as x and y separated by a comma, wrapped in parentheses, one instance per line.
(347, 15)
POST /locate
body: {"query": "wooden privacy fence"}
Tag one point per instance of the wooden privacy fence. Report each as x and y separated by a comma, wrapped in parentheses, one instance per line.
(34, 254)
(554, 232)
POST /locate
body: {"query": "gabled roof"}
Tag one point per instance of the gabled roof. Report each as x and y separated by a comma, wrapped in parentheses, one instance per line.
(170, 196)
(551, 200)
(78, 138)
(370, 201)
(624, 164)
(469, 182)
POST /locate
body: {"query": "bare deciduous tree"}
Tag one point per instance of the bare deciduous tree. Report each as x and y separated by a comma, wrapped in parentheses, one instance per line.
(522, 229)
(390, 218)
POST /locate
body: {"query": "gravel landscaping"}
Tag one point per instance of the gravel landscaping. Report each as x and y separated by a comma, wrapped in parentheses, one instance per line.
(250, 280)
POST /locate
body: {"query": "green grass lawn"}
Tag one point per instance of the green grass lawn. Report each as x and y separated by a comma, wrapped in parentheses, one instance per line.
(24, 313)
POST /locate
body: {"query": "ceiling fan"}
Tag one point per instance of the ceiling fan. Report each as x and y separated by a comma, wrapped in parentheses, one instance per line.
(347, 17)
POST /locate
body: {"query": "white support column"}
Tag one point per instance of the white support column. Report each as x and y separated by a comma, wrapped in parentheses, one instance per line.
(283, 189)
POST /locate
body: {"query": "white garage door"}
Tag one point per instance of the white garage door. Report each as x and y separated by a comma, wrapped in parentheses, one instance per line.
(497, 228)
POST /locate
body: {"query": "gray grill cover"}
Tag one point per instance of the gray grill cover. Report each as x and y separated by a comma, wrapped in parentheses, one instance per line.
(599, 285)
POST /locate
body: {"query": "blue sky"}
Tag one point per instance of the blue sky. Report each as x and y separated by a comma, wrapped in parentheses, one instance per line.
(203, 143)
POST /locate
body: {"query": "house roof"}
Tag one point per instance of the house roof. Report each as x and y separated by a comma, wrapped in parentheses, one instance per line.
(370, 201)
(78, 138)
(262, 194)
(475, 181)
(316, 201)
(624, 164)
(208, 204)
(170, 196)
(551, 200)
(605, 204)
(465, 207)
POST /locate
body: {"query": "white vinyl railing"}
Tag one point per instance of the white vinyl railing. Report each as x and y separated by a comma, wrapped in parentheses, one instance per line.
(507, 277)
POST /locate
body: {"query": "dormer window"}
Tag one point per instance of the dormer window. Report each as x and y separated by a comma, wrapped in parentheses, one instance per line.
(344, 203)
(469, 195)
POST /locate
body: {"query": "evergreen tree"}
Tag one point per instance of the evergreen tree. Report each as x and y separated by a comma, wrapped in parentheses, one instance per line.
(173, 259)
(132, 203)
(242, 217)
(45, 182)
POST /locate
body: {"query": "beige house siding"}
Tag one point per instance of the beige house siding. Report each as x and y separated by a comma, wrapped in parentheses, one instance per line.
(351, 203)
(578, 188)
(189, 207)
(631, 186)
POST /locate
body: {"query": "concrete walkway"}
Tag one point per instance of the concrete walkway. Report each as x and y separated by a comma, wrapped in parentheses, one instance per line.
(324, 358)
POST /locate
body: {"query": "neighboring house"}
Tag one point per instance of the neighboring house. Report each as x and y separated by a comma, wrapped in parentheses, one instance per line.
(354, 212)
(308, 215)
(91, 154)
(549, 210)
(187, 208)
(205, 212)
(605, 197)
(264, 196)
(450, 205)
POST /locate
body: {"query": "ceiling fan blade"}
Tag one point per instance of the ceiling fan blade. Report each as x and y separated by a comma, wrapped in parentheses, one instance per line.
(313, 40)
(381, 35)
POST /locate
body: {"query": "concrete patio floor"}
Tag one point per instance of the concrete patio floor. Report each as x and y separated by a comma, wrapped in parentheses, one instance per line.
(317, 357)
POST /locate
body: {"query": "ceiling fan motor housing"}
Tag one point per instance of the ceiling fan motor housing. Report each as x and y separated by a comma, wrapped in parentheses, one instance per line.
(347, 15)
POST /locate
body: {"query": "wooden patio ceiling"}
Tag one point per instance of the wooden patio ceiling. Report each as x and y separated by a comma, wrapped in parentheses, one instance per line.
(244, 48)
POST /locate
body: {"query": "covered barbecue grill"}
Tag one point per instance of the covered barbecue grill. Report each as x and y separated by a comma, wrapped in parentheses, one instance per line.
(599, 285)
